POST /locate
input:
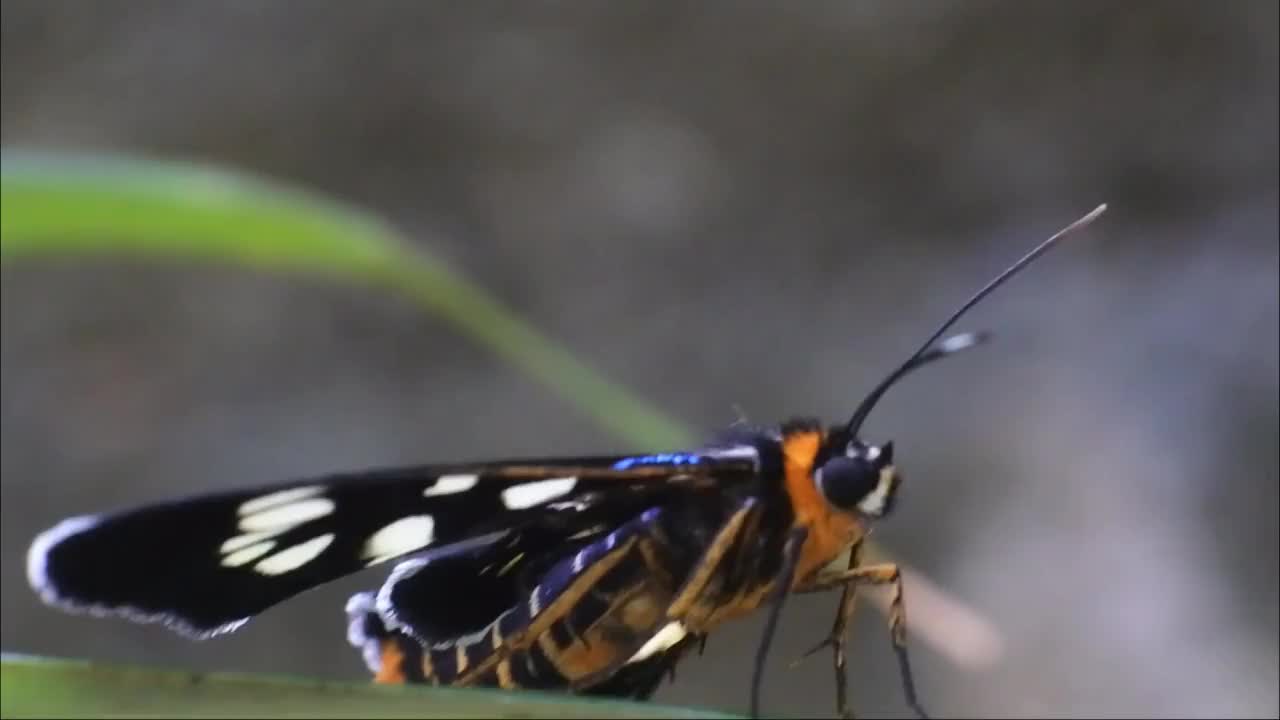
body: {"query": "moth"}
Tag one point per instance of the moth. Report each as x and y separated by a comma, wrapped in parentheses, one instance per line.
(593, 575)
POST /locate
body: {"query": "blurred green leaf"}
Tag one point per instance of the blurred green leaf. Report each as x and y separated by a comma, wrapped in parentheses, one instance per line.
(41, 687)
(75, 206)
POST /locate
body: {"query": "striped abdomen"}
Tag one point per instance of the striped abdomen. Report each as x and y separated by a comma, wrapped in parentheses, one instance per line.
(594, 612)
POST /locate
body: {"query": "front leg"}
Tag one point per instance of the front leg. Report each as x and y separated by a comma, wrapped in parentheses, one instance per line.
(838, 639)
(879, 574)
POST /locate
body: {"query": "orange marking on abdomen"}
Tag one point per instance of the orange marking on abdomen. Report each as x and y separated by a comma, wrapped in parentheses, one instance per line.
(391, 671)
(830, 529)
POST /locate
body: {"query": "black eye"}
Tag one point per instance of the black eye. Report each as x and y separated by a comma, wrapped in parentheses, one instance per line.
(846, 480)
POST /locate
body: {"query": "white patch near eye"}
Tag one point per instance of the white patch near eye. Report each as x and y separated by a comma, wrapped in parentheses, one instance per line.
(287, 516)
(258, 504)
(873, 452)
(249, 554)
(294, 557)
(874, 502)
(404, 535)
(665, 638)
(536, 493)
(450, 484)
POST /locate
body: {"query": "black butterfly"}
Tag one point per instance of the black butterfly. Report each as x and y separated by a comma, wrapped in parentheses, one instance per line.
(592, 574)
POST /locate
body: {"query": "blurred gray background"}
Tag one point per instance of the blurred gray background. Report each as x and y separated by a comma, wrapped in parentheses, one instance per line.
(716, 204)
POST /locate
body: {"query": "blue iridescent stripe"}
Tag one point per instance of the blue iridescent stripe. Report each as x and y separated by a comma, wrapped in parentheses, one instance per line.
(659, 459)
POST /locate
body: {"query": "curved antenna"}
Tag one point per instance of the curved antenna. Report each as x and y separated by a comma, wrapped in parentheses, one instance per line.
(928, 352)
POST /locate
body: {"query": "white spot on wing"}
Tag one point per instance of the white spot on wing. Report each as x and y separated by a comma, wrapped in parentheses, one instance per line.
(287, 515)
(248, 554)
(281, 497)
(404, 535)
(450, 484)
(579, 561)
(529, 494)
(667, 636)
(241, 541)
(294, 557)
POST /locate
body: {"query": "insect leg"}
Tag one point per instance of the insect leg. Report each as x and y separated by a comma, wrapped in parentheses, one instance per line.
(838, 639)
(790, 558)
(879, 574)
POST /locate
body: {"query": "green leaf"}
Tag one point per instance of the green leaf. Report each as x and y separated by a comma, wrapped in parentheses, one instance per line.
(40, 687)
(77, 206)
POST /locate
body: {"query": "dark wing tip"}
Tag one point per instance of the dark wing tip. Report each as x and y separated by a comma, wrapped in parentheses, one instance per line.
(44, 543)
(56, 589)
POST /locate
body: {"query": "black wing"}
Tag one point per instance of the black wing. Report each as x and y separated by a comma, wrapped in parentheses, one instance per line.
(205, 565)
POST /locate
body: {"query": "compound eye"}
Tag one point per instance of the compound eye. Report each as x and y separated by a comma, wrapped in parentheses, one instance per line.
(845, 481)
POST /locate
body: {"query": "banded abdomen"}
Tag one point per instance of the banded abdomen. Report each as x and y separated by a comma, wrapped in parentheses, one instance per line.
(596, 619)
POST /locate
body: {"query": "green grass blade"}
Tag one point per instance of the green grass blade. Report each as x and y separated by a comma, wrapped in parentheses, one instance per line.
(40, 687)
(77, 206)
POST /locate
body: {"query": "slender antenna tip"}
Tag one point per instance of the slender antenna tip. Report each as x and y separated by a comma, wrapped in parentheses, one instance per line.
(963, 341)
(1087, 218)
